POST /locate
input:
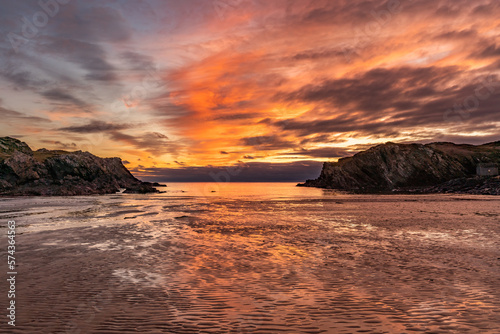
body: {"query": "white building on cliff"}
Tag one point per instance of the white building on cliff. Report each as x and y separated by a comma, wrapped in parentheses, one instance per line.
(485, 169)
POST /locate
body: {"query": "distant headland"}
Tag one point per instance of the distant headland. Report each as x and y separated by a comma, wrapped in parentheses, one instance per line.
(24, 172)
(416, 168)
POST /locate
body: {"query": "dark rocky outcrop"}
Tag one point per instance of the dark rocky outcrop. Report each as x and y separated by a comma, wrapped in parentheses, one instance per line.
(436, 167)
(478, 185)
(54, 173)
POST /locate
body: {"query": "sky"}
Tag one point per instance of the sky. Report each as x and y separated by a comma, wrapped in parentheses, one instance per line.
(246, 90)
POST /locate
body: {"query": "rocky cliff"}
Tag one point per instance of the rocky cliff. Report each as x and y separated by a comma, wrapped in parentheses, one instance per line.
(412, 167)
(49, 173)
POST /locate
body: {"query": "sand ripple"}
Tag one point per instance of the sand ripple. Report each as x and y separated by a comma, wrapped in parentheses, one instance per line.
(311, 266)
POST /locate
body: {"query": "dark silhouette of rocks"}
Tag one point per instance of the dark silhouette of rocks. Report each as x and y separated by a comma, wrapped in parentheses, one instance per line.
(24, 172)
(415, 168)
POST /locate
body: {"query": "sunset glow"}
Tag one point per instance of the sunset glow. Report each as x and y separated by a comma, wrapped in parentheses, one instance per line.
(188, 84)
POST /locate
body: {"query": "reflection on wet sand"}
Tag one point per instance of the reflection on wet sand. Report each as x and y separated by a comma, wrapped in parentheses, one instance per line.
(349, 264)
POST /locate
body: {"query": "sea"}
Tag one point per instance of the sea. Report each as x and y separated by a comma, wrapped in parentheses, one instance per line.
(252, 258)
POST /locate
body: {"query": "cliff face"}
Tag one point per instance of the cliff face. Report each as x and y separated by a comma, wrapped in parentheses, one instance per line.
(44, 172)
(393, 166)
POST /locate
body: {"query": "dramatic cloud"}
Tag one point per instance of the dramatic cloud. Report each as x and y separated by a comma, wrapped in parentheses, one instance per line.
(324, 153)
(62, 96)
(177, 86)
(88, 56)
(96, 127)
(22, 79)
(154, 143)
(137, 61)
(14, 116)
(267, 142)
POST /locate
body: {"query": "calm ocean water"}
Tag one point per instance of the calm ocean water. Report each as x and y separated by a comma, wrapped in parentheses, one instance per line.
(246, 190)
(256, 258)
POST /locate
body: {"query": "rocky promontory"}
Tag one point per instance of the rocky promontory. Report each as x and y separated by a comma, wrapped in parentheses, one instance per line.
(24, 172)
(415, 168)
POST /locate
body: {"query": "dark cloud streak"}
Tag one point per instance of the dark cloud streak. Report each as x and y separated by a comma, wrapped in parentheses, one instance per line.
(96, 126)
(60, 95)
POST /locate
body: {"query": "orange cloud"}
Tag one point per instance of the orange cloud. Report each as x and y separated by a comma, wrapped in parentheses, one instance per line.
(264, 81)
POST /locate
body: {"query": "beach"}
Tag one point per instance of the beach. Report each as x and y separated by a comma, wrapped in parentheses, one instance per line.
(254, 258)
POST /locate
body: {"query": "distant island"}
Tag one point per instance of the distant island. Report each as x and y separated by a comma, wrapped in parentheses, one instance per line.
(415, 168)
(24, 172)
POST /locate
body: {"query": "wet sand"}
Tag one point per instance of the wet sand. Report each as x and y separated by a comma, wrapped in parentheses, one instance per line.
(326, 264)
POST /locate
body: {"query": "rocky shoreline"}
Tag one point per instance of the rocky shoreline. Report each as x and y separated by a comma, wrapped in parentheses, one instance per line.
(478, 185)
(413, 168)
(24, 172)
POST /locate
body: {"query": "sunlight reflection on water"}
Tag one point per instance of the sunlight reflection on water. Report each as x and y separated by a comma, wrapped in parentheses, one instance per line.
(273, 258)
